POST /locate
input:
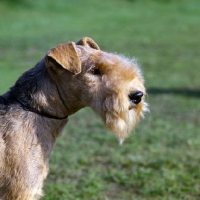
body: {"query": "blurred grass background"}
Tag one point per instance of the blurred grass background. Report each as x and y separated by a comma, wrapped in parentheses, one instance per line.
(160, 160)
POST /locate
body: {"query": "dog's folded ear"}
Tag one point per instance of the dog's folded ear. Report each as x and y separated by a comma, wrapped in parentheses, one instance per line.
(86, 41)
(66, 56)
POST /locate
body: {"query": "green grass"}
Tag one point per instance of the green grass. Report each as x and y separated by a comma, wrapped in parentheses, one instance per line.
(160, 160)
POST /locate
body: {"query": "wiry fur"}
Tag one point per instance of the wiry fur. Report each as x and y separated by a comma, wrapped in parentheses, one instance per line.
(59, 85)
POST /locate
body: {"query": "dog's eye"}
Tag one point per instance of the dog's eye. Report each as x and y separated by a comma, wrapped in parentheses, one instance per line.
(95, 71)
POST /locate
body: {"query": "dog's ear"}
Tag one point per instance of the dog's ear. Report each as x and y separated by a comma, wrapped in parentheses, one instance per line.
(86, 41)
(66, 56)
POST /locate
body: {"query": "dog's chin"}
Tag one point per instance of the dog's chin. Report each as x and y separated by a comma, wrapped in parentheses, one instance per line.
(121, 126)
(119, 117)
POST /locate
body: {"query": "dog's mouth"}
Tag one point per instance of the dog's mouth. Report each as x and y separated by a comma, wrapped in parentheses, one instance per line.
(120, 125)
(131, 107)
(121, 115)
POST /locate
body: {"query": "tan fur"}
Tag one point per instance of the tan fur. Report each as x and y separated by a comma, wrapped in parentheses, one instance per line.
(70, 77)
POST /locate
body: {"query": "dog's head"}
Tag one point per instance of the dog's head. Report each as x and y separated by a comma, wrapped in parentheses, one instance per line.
(110, 84)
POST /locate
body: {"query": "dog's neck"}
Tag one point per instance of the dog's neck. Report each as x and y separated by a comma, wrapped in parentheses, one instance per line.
(41, 113)
(36, 92)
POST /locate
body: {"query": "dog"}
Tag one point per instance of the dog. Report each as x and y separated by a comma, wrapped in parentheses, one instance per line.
(35, 110)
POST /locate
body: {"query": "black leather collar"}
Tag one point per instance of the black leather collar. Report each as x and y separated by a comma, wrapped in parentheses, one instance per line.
(41, 113)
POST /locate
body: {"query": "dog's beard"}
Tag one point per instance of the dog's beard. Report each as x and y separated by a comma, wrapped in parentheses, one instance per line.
(121, 121)
(117, 117)
(121, 124)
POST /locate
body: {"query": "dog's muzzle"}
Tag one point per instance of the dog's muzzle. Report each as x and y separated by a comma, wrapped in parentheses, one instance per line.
(136, 97)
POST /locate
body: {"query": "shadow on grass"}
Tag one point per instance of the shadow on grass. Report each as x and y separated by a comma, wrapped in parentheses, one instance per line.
(175, 91)
(160, 1)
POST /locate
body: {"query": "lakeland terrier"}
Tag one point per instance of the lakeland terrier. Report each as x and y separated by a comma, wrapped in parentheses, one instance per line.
(35, 110)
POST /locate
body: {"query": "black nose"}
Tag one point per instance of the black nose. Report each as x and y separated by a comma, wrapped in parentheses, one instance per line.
(136, 97)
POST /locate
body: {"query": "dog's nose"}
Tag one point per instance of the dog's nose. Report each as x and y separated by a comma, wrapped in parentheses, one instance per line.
(136, 97)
